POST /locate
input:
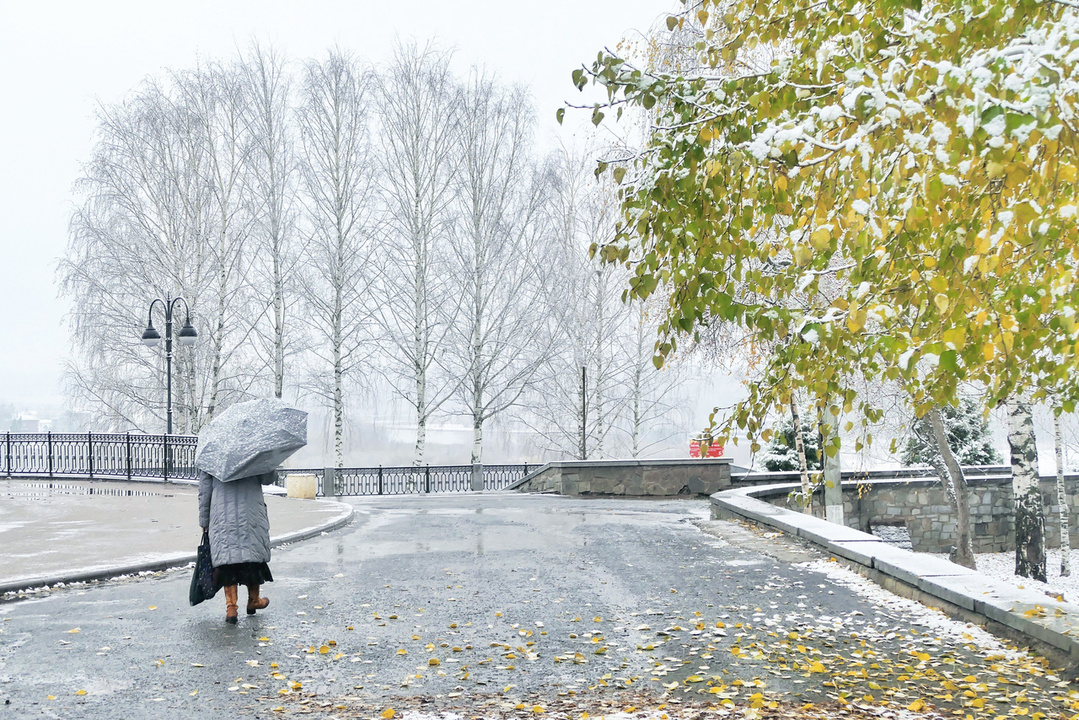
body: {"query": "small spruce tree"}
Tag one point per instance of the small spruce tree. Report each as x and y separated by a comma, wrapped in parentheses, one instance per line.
(968, 437)
(780, 454)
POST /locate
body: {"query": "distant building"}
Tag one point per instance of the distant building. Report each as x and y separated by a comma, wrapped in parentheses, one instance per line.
(26, 423)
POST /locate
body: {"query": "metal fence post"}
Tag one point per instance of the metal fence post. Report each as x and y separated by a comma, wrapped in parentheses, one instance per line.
(165, 459)
(427, 479)
(48, 441)
(8, 453)
(90, 452)
(129, 456)
(379, 479)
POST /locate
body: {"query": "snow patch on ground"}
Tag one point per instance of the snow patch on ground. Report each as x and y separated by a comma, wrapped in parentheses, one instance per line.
(1001, 566)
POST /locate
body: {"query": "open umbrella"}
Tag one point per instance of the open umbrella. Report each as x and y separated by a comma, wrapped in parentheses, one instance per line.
(250, 438)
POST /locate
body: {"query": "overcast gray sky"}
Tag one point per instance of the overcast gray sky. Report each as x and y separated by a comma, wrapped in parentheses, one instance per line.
(58, 60)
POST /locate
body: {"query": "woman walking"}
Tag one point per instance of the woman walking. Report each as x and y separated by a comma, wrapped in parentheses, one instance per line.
(235, 514)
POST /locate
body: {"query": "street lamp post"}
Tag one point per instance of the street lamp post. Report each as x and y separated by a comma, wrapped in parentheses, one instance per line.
(186, 337)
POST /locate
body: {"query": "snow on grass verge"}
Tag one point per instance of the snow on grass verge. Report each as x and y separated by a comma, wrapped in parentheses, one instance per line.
(1001, 566)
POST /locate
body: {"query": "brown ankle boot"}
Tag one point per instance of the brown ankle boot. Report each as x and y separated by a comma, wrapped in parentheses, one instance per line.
(230, 604)
(254, 602)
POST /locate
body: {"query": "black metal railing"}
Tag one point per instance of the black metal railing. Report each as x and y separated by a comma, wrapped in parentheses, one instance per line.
(172, 457)
(413, 479)
(98, 455)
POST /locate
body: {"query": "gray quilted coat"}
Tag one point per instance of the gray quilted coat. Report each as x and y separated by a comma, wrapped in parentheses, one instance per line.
(235, 513)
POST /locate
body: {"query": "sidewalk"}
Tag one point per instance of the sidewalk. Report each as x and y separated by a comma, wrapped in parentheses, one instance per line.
(77, 530)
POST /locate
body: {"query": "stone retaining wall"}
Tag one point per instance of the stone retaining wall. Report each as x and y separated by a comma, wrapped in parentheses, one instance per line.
(923, 509)
(630, 477)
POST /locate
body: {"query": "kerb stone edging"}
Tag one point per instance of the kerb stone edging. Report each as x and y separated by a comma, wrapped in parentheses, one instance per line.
(342, 518)
(963, 592)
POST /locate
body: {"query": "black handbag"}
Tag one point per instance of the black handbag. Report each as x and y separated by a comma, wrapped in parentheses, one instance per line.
(202, 581)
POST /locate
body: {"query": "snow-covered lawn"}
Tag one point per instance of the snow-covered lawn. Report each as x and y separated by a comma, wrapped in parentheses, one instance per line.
(1002, 567)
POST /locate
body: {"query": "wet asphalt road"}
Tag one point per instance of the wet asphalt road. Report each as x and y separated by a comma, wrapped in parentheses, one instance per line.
(439, 596)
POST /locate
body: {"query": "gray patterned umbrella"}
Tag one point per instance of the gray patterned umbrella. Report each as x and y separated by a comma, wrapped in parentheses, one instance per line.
(250, 438)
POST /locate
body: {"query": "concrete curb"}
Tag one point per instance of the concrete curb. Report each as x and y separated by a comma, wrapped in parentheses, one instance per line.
(343, 517)
(961, 592)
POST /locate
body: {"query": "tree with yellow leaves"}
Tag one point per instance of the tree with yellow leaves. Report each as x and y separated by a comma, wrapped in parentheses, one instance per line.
(923, 153)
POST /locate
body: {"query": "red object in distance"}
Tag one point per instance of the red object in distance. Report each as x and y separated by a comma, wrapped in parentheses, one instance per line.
(714, 450)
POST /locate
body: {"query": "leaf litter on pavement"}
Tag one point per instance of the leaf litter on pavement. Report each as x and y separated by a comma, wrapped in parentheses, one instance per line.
(671, 662)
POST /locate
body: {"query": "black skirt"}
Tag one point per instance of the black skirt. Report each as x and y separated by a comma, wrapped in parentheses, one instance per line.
(246, 573)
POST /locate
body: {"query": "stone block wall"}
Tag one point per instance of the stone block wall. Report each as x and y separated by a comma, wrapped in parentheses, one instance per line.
(922, 507)
(630, 477)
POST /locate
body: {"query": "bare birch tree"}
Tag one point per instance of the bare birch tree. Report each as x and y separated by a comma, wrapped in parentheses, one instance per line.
(217, 98)
(590, 322)
(271, 192)
(338, 180)
(500, 338)
(137, 234)
(418, 102)
(655, 403)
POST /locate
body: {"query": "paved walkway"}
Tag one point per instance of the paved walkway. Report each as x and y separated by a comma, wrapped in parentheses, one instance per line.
(69, 530)
(496, 604)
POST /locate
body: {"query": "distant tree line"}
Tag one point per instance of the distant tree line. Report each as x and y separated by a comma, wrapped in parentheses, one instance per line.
(340, 231)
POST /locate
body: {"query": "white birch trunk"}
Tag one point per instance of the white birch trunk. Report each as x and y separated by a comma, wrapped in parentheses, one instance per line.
(799, 448)
(1062, 502)
(636, 408)
(477, 439)
(1029, 510)
(421, 347)
(279, 329)
(338, 384)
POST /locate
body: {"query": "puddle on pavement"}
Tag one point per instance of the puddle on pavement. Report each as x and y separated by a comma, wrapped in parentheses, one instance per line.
(42, 490)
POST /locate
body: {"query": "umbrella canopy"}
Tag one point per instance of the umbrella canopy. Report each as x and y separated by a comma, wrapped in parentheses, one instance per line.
(250, 438)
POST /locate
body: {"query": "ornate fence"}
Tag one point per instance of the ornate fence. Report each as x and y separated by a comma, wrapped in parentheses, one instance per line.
(172, 457)
(98, 455)
(413, 479)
